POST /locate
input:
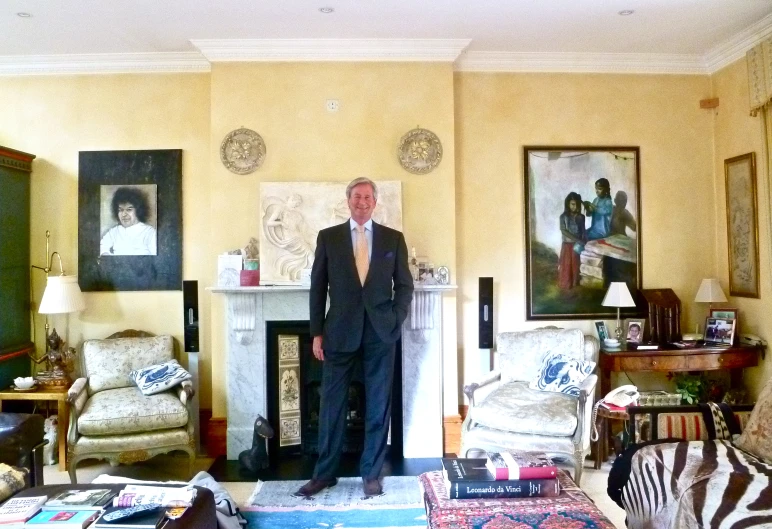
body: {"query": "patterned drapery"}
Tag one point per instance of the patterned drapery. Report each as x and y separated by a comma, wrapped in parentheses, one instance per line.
(759, 60)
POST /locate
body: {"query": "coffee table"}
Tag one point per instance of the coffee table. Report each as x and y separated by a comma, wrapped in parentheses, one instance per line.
(201, 515)
(572, 508)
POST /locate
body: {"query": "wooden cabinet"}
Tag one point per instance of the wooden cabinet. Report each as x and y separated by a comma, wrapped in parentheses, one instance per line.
(15, 343)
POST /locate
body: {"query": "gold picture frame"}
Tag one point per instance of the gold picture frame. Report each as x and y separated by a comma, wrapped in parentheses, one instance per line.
(742, 225)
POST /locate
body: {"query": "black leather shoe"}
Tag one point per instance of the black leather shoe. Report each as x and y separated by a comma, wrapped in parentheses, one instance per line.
(315, 486)
(372, 487)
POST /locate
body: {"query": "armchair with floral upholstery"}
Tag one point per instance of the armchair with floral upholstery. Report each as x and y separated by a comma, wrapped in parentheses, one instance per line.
(111, 419)
(505, 414)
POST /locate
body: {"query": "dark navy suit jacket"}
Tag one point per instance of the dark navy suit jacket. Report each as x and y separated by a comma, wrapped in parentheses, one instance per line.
(385, 296)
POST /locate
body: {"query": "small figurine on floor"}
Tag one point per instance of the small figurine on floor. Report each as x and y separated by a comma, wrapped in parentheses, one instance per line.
(256, 458)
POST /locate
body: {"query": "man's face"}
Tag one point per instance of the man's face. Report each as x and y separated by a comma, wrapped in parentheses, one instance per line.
(362, 203)
(127, 214)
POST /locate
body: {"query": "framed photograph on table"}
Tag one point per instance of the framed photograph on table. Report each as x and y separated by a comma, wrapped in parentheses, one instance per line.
(582, 227)
(602, 330)
(634, 330)
(720, 331)
(742, 225)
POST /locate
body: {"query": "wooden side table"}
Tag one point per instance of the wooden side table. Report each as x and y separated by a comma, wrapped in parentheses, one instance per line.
(62, 410)
(601, 421)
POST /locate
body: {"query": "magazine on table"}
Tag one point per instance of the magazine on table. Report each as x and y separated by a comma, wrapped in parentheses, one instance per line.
(69, 519)
(518, 464)
(80, 499)
(133, 495)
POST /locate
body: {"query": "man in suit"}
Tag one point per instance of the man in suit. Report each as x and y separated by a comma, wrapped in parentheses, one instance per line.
(364, 265)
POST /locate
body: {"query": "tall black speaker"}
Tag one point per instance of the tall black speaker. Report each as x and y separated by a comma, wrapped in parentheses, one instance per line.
(485, 318)
(190, 304)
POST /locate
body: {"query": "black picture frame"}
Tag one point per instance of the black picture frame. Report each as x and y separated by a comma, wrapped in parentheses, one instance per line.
(552, 175)
(162, 271)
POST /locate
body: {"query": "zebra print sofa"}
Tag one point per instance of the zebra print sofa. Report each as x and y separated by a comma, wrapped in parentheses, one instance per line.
(722, 482)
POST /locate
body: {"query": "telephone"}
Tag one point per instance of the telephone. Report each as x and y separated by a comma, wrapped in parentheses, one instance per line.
(751, 339)
(621, 396)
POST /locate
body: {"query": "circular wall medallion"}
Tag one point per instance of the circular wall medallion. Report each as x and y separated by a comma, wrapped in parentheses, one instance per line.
(242, 151)
(419, 151)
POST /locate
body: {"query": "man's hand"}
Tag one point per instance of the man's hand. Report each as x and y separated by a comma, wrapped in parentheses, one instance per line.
(318, 351)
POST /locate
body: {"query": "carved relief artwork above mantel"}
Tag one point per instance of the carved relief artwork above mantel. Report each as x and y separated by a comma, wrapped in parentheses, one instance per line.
(292, 213)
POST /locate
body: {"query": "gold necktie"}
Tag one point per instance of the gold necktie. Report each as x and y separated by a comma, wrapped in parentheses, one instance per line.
(361, 254)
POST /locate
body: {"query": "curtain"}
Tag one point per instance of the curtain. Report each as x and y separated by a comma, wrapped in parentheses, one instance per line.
(759, 60)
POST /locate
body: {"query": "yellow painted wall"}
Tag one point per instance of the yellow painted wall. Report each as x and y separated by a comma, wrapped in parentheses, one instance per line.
(736, 133)
(285, 103)
(54, 117)
(497, 114)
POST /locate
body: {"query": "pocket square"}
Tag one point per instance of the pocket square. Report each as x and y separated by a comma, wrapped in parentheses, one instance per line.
(389, 255)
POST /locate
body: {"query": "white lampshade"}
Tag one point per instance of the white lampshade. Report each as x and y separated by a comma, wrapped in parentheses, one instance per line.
(62, 295)
(618, 296)
(710, 292)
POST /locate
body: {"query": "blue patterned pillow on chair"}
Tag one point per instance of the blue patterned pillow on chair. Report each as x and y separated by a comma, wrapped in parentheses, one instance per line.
(160, 377)
(562, 374)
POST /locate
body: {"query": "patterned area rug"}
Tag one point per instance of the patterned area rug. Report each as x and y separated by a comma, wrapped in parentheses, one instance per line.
(342, 506)
(573, 509)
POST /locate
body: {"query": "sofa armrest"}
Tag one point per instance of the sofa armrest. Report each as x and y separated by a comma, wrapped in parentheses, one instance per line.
(584, 412)
(77, 396)
(185, 391)
(591, 348)
(491, 378)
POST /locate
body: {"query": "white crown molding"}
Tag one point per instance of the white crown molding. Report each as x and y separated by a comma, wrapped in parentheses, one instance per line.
(424, 50)
(104, 63)
(628, 63)
(729, 51)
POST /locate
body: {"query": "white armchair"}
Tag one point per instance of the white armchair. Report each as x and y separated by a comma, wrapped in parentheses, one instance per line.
(111, 419)
(505, 414)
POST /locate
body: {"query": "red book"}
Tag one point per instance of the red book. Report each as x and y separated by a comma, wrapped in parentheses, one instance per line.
(520, 465)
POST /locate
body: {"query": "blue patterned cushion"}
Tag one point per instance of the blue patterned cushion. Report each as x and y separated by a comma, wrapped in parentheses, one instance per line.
(160, 377)
(562, 374)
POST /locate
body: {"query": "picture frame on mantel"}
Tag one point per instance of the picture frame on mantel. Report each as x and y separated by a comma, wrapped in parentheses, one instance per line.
(155, 175)
(582, 226)
(742, 225)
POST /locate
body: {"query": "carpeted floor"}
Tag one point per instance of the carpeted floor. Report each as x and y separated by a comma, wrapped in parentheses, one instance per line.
(342, 506)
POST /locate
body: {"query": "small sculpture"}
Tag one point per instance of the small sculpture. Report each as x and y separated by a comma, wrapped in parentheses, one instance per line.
(256, 458)
(59, 360)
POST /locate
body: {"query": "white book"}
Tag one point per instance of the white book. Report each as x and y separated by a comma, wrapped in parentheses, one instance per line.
(16, 511)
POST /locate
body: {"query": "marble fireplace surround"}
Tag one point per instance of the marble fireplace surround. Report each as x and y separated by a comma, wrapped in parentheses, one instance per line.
(248, 310)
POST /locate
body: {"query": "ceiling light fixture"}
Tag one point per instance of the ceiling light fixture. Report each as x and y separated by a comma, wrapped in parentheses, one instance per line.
(326, 10)
(24, 15)
(626, 12)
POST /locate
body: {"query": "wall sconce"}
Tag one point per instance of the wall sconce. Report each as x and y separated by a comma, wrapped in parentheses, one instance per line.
(61, 296)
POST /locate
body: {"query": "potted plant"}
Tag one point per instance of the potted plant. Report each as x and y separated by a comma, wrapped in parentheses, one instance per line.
(692, 388)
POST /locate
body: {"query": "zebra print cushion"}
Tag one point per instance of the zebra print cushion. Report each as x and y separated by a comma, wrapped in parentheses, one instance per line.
(158, 378)
(562, 374)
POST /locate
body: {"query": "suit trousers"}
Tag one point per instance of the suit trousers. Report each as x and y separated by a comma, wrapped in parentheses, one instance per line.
(378, 367)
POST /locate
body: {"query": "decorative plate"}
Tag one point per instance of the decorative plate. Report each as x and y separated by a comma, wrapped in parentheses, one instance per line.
(242, 151)
(25, 390)
(419, 151)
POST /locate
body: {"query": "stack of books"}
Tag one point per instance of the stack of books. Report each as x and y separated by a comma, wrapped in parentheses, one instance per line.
(512, 474)
(85, 508)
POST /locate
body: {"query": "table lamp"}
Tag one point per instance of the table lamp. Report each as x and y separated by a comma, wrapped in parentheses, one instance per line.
(61, 296)
(710, 292)
(618, 296)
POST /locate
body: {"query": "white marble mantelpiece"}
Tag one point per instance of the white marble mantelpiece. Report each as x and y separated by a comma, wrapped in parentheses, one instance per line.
(248, 310)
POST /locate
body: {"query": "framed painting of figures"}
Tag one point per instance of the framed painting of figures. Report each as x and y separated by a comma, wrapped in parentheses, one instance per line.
(582, 229)
(130, 220)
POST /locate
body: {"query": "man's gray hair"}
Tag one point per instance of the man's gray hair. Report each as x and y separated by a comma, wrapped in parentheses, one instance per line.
(362, 180)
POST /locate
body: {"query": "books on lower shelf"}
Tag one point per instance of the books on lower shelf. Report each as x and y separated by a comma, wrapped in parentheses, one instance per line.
(80, 500)
(16, 511)
(514, 464)
(69, 519)
(467, 478)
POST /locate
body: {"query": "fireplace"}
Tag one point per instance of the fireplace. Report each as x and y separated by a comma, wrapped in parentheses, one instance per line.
(294, 394)
(419, 362)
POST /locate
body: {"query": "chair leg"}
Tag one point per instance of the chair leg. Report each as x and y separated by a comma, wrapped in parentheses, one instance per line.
(579, 456)
(191, 463)
(71, 471)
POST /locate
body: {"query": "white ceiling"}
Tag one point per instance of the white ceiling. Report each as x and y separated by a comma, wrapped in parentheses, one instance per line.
(669, 30)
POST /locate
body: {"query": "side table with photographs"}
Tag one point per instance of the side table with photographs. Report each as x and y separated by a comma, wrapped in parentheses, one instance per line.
(63, 410)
